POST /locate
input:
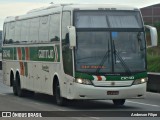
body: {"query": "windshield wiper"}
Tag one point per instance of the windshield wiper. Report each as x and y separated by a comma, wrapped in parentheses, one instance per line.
(121, 60)
(104, 58)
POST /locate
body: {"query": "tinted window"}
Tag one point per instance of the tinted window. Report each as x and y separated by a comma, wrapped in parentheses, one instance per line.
(43, 29)
(66, 51)
(25, 31)
(34, 29)
(5, 33)
(108, 19)
(124, 19)
(91, 20)
(18, 32)
(65, 22)
(54, 27)
(9, 30)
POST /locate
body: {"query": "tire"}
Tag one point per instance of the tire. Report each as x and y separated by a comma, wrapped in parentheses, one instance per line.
(119, 102)
(20, 92)
(14, 88)
(59, 100)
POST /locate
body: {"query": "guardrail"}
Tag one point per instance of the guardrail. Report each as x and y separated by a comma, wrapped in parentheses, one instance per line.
(0, 61)
(0, 65)
(153, 84)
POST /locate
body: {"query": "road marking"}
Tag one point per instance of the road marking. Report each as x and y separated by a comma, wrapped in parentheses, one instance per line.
(95, 118)
(80, 118)
(60, 109)
(144, 103)
(54, 107)
(2, 94)
(37, 103)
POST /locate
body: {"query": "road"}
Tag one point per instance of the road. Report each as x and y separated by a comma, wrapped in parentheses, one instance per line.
(41, 102)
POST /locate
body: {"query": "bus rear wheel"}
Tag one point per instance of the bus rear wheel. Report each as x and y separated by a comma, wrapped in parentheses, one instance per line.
(14, 88)
(59, 100)
(119, 102)
(20, 92)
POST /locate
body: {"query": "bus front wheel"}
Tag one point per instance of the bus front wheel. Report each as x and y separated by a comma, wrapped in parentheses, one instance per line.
(59, 100)
(119, 102)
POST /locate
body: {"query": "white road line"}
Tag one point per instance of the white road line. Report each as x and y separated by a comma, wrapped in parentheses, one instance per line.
(54, 107)
(2, 94)
(60, 109)
(144, 104)
(80, 118)
(37, 103)
(96, 118)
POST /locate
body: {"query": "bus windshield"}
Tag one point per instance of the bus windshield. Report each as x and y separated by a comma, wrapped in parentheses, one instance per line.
(109, 42)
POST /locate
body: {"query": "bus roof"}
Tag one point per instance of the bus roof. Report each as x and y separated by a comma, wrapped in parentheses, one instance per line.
(58, 8)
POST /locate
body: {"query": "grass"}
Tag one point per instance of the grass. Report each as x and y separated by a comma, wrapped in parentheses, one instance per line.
(153, 59)
(153, 63)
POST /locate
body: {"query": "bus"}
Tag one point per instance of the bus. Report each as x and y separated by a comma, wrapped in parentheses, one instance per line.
(77, 52)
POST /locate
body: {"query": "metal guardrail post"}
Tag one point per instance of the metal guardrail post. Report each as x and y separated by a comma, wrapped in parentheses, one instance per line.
(153, 83)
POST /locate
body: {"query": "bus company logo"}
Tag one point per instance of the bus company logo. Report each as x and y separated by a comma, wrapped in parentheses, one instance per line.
(127, 78)
(46, 54)
(112, 83)
(6, 114)
(6, 53)
(23, 114)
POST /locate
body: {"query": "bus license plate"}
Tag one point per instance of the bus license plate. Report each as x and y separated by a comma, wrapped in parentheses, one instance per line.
(112, 92)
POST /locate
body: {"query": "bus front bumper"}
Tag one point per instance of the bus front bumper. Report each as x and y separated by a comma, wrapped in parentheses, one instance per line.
(99, 93)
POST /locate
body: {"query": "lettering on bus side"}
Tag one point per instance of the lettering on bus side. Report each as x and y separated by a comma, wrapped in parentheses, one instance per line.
(45, 54)
(127, 78)
(6, 53)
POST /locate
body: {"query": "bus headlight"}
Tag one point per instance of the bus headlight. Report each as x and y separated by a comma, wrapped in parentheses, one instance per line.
(83, 81)
(140, 81)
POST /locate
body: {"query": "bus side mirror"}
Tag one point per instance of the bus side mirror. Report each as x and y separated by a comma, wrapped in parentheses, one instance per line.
(153, 35)
(72, 36)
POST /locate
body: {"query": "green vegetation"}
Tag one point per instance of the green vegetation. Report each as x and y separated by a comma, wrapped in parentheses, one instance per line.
(153, 54)
(0, 41)
(157, 25)
(153, 59)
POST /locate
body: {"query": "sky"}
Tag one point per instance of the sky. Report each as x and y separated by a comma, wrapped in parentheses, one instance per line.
(19, 7)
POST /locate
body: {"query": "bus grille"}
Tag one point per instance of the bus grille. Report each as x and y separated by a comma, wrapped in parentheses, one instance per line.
(113, 83)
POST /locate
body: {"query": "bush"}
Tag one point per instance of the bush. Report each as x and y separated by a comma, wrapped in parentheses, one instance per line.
(153, 59)
(153, 62)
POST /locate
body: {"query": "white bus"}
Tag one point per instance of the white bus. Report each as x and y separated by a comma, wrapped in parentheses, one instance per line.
(77, 52)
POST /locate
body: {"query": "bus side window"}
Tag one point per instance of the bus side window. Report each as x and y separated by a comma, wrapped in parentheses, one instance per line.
(43, 29)
(11, 32)
(25, 31)
(66, 51)
(17, 32)
(34, 29)
(4, 34)
(54, 28)
(65, 22)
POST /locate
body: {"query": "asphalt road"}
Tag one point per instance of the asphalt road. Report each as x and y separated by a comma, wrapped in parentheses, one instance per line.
(42, 102)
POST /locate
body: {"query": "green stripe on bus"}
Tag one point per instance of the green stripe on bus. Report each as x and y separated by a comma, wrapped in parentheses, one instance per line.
(114, 77)
(42, 53)
(83, 76)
